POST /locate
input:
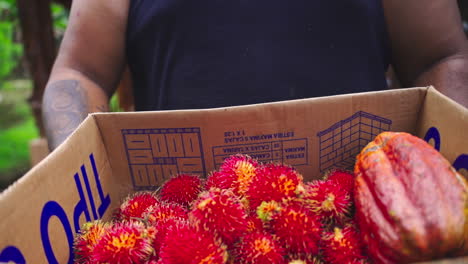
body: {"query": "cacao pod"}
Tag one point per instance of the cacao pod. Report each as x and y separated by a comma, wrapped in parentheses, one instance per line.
(411, 204)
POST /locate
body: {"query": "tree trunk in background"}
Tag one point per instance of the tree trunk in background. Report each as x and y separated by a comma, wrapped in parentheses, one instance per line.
(39, 49)
(65, 3)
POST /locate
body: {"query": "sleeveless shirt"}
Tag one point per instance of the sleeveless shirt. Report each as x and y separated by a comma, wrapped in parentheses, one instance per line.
(188, 54)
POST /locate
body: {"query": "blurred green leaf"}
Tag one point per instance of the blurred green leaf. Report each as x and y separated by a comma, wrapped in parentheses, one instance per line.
(10, 52)
(60, 18)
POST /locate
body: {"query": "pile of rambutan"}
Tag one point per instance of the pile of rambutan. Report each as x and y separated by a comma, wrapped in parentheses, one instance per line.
(245, 212)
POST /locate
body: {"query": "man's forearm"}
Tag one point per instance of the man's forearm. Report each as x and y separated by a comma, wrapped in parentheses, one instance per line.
(450, 77)
(66, 104)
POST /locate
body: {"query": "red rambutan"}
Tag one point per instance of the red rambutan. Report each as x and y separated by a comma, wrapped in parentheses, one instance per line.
(164, 211)
(343, 178)
(135, 205)
(305, 259)
(274, 182)
(185, 244)
(182, 189)
(236, 172)
(297, 228)
(267, 209)
(153, 261)
(254, 224)
(328, 200)
(86, 240)
(342, 246)
(222, 212)
(259, 248)
(124, 243)
(162, 216)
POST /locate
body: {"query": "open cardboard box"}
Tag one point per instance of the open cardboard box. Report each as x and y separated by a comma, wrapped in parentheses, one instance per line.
(112, 155)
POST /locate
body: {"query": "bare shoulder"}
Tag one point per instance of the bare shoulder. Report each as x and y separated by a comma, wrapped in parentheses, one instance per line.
(98, 10)
(94, 42)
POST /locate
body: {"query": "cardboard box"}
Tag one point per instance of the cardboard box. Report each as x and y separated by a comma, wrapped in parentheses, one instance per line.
(111, 155)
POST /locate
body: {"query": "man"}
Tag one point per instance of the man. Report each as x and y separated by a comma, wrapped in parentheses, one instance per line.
(212, 53)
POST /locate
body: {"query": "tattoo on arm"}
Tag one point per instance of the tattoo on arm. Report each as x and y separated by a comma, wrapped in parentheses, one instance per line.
(65, 107)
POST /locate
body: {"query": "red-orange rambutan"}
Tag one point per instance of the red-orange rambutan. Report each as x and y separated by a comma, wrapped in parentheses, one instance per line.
(126, 242)
(164, 211)
(328, 200)
(153, 261)
(342, 246)
(273, 182)
(254, 223)
(86, 240)
(236, 172)
(297, 228)
(161, 217)
(266, 210)
(134, 206)
(343, 178)
(259, 248)
(304, 259)
(182, 189)
(220, 211)
(185, 243)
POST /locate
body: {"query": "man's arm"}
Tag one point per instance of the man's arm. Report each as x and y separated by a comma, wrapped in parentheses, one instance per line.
(88, 66)
(428, 45)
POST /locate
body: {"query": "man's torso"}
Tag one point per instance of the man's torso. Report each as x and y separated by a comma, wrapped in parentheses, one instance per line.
(212, 53)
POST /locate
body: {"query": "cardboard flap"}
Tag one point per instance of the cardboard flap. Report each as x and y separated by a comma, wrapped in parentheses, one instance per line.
(444, 124)
(42, 211)
(313, 135)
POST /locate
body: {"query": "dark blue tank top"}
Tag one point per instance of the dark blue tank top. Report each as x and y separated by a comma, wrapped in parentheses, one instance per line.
(211, 53)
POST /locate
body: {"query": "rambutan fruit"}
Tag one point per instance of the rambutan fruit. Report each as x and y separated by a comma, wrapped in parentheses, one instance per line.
(298, 261)
(182, 189)
(161, 217)
(161, 232)
(267, 209)
(273, 182)
(186, 243)
(254, 223)
(236, 172)
(328, 200)
(343, 178)
(86, 240)
(134, 206)
(125, 242)
(163, 211)
(222, 212)
(305, 259)
(298, 229)
(259, 248)
(153, 261)
(342, 246)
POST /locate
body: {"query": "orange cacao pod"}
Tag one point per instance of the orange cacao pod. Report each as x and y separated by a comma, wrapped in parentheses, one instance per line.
(410, 202)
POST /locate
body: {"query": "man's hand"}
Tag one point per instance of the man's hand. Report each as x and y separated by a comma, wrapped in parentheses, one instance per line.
(88, 67)
(428, 45)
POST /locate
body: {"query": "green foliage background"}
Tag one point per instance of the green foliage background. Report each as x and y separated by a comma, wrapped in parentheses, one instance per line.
(17, 126)
(10, 50)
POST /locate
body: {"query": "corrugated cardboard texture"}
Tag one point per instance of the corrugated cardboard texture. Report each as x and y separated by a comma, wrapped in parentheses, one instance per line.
(311, 134)
(33, 209)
